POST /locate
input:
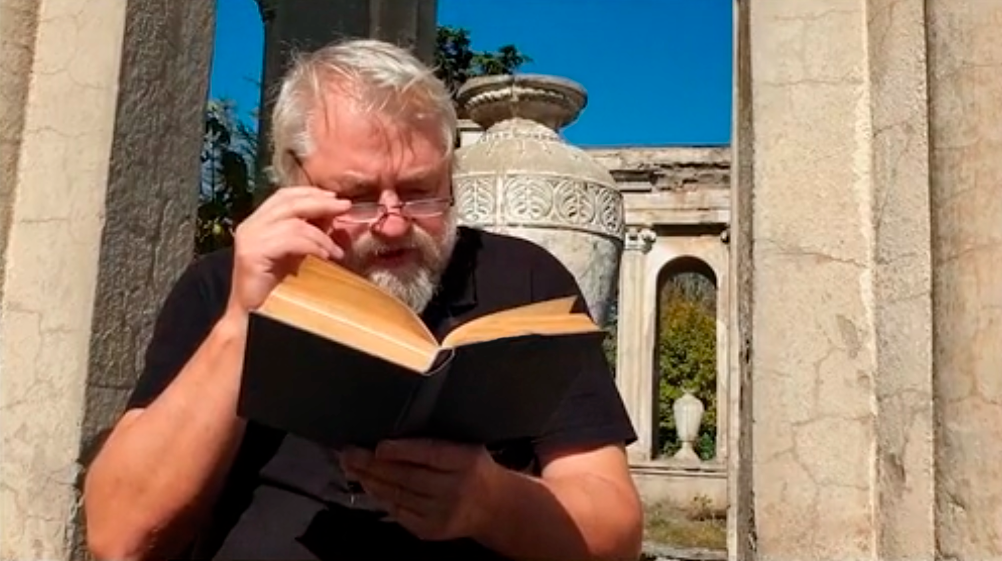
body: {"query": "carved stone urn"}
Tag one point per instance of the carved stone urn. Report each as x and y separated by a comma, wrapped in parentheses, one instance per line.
(522, 179)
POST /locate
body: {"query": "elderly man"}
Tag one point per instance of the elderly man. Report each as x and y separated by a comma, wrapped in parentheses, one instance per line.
(363, 140)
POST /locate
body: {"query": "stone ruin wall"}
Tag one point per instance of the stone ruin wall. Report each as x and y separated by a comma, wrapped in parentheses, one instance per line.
(677, 202)
(667, 168)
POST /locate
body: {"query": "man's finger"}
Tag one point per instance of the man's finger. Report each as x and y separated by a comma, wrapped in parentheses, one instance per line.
(312, 208)
(294, 191)
(418, 479)
(282, 196)
(305, 202)
(434, 454)
(422, 526)
(397, 496)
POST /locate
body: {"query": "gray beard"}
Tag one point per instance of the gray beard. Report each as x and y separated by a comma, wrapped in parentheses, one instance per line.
(416, 286)
(416, 289)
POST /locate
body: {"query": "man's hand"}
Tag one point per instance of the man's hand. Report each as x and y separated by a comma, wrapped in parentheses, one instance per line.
(436, 490)
(273, 240)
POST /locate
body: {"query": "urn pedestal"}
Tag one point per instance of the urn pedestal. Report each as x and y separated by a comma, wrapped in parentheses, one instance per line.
(522, 179)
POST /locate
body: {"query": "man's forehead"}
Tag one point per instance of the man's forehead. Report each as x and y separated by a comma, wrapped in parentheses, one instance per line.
(352, 112)
(362, 134)
(355, 149)
(369, 176)
(349, 176)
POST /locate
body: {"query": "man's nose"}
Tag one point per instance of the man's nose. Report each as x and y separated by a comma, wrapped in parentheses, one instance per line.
(393, 225)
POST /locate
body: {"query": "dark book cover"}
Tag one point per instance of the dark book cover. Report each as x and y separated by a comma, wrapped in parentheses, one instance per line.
(335, 395)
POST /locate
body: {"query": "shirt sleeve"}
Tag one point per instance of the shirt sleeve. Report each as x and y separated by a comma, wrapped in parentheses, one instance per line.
(186, 316)
(592, 414)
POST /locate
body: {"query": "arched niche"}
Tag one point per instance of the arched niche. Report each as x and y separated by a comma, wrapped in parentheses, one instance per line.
(686, 349)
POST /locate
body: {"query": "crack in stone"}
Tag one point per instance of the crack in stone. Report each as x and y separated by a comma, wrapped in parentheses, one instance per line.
(835, 82)
(814, 17)
(818, 256)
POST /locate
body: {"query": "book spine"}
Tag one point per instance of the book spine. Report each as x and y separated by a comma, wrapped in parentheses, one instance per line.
(415, 418)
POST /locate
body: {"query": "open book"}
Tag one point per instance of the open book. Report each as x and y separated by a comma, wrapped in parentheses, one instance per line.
(334, 358)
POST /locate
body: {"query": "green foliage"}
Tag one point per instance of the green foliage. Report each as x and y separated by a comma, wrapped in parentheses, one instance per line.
(456, 61)
(229, 147)
(609, 345)
(685, 356)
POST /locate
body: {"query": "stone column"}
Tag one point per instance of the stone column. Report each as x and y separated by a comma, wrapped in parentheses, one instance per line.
(741, 536)
(101, 132)
(841, 348)
(965, 124)
(875, 235)
(634, 343)
(292, 26)
(722, 269)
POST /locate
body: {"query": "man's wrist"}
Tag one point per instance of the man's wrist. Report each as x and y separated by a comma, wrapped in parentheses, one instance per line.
(232, 324)
(499, 485)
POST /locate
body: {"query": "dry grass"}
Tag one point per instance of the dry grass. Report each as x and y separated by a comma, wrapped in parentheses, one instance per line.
(693, 526)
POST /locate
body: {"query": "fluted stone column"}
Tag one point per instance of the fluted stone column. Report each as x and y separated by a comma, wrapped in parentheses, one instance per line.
(965, 125)
(101, 129)
(635, 343)
(875, 232)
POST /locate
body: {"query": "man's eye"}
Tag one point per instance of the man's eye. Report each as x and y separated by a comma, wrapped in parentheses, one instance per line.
(415, 195)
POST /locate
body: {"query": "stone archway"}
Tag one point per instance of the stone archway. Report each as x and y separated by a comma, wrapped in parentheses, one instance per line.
(677, 203)
(686, 292)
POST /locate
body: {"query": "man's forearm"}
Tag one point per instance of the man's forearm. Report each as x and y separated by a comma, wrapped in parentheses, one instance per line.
(576, 519)
(160, 464)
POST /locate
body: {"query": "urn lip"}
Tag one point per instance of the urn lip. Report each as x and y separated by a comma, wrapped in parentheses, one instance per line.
(553, 101)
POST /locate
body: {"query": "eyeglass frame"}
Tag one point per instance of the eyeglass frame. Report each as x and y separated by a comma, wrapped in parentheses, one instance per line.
(382, 210)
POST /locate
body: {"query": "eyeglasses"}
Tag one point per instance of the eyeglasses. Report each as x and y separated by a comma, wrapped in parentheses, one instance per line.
(366, 213)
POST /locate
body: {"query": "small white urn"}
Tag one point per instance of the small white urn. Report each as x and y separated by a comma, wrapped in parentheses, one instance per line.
(688, 411)
(522, 179)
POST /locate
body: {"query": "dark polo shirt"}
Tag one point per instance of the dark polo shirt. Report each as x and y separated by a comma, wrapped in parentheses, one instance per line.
(286, 498)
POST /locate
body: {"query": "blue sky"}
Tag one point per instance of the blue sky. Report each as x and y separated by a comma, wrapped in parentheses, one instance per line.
(657, 72)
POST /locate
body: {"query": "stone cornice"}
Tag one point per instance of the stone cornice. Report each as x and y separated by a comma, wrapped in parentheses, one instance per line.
(666, 168)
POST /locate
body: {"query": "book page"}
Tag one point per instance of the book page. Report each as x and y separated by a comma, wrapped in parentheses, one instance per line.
(332, 302)
(557, 306)
(551, 317)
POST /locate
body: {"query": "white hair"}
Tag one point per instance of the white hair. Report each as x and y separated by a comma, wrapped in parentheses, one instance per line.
(380, 76)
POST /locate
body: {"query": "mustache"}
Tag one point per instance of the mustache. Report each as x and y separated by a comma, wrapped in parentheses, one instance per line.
(371, 246)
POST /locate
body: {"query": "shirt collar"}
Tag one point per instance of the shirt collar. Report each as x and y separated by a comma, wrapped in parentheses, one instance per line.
(458, 287)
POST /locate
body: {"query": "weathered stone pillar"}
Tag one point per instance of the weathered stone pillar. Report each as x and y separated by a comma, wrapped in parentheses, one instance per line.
(634, 343)
(719, 260)
(292, 26)
(841, 355)
(965, 120)
(875, 235)
(101, 129)
(741, 537)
